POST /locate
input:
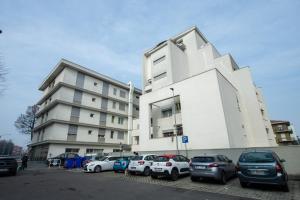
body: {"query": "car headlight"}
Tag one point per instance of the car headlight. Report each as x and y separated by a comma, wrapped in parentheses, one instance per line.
(91, 164)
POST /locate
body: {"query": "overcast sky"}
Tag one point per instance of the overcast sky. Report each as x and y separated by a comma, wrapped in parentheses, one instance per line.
(111, 36)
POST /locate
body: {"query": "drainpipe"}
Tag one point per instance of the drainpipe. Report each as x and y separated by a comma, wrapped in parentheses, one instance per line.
(130, 113)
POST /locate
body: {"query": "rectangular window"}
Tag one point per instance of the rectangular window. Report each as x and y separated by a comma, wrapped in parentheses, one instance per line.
(112, 134)
(94, 150)
(95, 84)
(158, 60)
(80, 80)
(75, 112)
(120, 135)
(93, 99)
(92, 115)
(114, 104)
(116, 150)
(122, 93)
(122, 106)
(168, 134)
(112, 119)
(77, 96)
(160, 76)
(115, 91)
(167, 112)
(101, 132)
(72, 129)
(71, 150)
(121, 120)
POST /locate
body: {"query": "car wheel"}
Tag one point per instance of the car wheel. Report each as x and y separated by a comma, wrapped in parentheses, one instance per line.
(285, 188)
(97, 169)
(174, 174)
(146, 171)
(223, 178)
(243, 184)
(193, 178)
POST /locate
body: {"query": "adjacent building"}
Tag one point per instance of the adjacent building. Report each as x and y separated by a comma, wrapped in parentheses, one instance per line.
(284, 132)
(82, 111)
(190, 89)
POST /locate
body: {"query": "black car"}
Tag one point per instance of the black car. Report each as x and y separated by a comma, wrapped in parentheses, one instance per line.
(62, 157)
(8, 165)
(262, 167)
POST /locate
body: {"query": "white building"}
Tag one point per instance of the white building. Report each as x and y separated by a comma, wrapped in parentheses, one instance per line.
(83, 111)
(215, 103)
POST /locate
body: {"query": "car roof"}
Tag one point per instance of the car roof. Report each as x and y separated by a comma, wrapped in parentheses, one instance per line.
(259, 150)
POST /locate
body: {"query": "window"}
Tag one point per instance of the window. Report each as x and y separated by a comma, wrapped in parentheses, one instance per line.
(112, 119)
(115, 91)
(158, 60)
(93, 99)
(121, 120)
(168, 134)
(120, 135)
(94, 150)
(116, 150)
(137, 108)
(122, 106)
(75, 112)
(72, 129)
(77, 96)
(114, 104)
(178, 106)
(167, 112)
(95, 84)
(160, 76)
(101, 133)
(122, 93)
(90, 132)
(71, 150)
(112, 134)
(50, 99)
(92, 115)
(267, 130)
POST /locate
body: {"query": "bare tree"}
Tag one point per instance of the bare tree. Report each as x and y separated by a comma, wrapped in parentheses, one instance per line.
(25, 122)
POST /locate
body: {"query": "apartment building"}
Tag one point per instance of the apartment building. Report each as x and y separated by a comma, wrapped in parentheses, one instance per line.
(284, 132)
(190, 89)
(82, 111)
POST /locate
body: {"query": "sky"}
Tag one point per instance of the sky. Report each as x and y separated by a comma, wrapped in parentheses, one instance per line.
(111, 36)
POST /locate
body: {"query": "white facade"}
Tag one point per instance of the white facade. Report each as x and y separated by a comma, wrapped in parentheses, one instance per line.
(82, 111)
(217, 105)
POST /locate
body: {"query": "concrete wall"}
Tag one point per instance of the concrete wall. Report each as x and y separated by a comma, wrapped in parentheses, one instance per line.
(289, 153)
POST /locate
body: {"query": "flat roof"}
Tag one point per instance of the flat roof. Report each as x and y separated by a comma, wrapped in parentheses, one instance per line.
(65, 63)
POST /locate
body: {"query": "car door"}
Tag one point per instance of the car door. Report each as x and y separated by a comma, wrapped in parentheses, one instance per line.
(184, 164)
(111, 162)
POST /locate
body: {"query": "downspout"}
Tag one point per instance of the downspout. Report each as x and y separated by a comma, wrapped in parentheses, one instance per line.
(130, 113)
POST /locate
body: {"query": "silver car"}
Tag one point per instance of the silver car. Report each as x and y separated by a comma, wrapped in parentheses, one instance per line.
(218, 167)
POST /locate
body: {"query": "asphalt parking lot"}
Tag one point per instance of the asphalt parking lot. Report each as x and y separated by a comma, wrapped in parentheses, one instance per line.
(44, 183)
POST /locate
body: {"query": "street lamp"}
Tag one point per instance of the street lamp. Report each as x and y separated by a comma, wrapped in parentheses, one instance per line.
(175, 128)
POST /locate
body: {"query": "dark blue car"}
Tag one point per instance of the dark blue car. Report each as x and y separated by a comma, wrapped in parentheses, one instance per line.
(262, 167)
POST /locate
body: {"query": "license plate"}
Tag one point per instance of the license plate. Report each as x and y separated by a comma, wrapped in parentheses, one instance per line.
(3, 170)
(200, 167)
(117, 163)
(132, 167)
(158, 169)
(258, 172)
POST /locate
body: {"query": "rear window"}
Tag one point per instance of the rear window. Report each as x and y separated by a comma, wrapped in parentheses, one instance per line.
(203, 159)
(257, 157)
(161, 159)
(137, 158)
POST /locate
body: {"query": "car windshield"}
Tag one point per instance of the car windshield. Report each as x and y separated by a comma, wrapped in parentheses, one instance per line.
(257, 157)
(98, 157)
(137, 158)
(204, 159)
(161, 159)
(102, 159)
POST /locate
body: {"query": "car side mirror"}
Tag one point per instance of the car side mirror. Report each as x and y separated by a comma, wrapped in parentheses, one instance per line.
(229, 161)
(282, 160)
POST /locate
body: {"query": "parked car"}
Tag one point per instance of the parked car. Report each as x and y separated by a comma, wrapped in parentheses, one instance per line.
(62, 157)
(141, 164)
(104, 164)
(171, 166)
(90, 158)
(262, 167)
(122, 164)
(218, 167)
(8, 165)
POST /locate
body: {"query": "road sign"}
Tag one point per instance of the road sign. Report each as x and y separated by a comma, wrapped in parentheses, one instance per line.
(185, 139)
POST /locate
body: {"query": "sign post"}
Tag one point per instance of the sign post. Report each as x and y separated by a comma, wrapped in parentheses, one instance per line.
(185, 140)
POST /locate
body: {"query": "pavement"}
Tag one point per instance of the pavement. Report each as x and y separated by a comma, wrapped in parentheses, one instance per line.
(40, 182)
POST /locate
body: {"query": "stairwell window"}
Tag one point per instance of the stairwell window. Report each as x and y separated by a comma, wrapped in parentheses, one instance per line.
(122, 94)
(158, 60)
(112, 134)
(160, 76)
(121, 120)
(120, 135)
(112, 119)
(167, 112)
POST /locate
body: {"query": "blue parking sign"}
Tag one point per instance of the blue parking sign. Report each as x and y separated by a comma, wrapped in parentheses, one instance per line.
(185, 139)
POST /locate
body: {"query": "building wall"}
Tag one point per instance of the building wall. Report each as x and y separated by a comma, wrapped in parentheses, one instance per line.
(202, 115)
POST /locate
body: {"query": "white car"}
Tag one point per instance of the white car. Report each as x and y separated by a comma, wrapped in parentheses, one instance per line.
(141, 164)
(104, 164)
(171, 166)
